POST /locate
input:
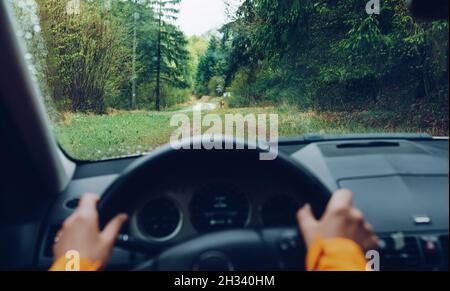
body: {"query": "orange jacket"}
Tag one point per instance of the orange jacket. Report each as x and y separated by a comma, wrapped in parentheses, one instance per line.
(336, 254)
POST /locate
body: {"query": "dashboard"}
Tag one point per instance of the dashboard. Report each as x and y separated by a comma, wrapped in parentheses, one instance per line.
(400, 184)
(181, 212)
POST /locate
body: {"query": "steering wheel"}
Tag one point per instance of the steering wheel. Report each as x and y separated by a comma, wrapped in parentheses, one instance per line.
(239, 249)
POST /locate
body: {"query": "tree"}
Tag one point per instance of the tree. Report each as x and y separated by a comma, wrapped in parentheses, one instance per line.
(137, 20)
(171, 53)
(210, 65)
(197, 47)
(134, 77)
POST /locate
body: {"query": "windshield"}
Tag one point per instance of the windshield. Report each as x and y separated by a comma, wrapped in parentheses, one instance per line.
(114, 74)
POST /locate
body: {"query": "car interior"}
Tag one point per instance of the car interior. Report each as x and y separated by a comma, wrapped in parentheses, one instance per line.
(173, 197)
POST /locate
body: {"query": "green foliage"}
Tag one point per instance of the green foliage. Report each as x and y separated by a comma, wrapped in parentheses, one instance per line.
(333, 56)
(91, 63)
(211, 65)
(243, 92)
(171, 58)
(196, 47)
(216, 86)
(84, 54)
(170, 96)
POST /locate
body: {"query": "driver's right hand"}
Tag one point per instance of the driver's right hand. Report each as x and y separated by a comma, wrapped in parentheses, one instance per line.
(340, 220)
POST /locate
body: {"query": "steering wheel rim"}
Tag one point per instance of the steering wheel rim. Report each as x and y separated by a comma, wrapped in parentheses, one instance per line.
(112, 201)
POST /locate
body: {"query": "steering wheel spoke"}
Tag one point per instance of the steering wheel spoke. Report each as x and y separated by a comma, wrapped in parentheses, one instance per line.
(233, 250)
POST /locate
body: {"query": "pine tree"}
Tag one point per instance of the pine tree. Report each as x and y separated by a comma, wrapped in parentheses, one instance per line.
(207, 67)
(171, 53)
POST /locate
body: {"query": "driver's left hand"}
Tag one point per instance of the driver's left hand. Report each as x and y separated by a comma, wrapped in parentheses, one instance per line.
(81, 233)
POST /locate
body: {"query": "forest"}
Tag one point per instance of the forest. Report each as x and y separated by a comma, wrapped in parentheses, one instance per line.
(327, 64)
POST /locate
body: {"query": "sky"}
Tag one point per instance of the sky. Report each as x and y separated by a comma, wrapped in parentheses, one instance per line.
(199, 16)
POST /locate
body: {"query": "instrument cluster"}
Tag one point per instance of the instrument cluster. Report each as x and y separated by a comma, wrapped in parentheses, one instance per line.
(213, 208)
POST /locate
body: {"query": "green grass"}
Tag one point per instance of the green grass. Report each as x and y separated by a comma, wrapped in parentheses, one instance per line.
(94, 137)
(87, 137)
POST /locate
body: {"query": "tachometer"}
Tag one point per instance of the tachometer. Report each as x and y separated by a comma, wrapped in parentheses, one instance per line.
(159, 219)
(219, 208)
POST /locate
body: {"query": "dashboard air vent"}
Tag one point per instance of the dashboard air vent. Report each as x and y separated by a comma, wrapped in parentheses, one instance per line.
(73, 203)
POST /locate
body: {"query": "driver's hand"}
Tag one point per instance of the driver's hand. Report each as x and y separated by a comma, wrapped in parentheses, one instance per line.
(340, 220)
(81, 233)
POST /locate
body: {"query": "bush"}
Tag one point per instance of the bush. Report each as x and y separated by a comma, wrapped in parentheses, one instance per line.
(216, 86)
(83, 53)
(242, 91)
(169, 96)
(173, 96)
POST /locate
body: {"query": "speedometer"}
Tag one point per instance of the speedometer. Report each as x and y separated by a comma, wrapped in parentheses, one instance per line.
(219, 208)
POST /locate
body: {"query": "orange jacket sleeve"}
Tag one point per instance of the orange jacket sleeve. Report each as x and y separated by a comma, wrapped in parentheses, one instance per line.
(337, 254)
(85, 265)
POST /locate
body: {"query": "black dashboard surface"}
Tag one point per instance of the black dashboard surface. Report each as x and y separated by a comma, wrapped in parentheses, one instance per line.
(395, 182)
